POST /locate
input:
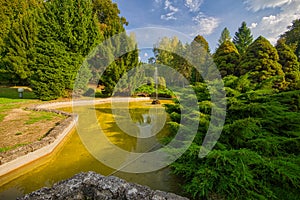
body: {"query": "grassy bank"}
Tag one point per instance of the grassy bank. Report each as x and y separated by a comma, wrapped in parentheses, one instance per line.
(18, 126)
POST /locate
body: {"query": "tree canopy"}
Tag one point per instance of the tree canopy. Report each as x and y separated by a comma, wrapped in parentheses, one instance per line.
(225, 36)
(292, 37)
(261, 61)
(243, 38)
(227, 59)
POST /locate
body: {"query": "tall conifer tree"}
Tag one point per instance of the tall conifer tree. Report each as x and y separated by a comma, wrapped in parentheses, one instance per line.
(225, 36)
(243, 38)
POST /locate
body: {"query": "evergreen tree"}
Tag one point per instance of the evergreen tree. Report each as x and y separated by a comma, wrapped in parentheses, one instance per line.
(261, 61)
(17, 39)
(290, 64)
(227, 59)
(11, 11)
(257, 154)
(292, 37)
(67, 33)
(199, 51)
(20, 49)
(166, 54)
(124, 51)
(243, 38)
(225, 36)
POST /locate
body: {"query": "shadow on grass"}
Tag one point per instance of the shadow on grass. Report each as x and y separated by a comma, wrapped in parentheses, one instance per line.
(12, 93)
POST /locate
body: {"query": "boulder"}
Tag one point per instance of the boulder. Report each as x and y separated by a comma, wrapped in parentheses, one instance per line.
(91, 185)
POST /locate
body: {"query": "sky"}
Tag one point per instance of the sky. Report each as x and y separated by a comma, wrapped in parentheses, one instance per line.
(208, 18)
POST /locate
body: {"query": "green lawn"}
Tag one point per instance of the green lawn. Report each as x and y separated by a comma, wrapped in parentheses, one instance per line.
(11, 95)
(9, 99)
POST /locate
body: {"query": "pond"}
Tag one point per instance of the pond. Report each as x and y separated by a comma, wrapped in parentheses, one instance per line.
(72, 156)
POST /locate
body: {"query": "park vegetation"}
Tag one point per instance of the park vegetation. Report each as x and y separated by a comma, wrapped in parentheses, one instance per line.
(257, 154)
(43, 44)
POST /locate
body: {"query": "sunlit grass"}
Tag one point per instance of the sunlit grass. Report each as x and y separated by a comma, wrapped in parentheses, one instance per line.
(35, 117)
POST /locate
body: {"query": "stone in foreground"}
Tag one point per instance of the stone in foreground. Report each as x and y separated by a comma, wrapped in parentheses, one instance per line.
(91, 185)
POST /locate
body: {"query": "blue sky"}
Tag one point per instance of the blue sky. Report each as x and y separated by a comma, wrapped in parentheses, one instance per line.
(268, 18)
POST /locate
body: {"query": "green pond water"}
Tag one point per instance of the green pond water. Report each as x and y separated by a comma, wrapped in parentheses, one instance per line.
(72, 156)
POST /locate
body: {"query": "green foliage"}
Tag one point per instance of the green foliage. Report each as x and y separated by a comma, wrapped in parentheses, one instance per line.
(18, 44)
(64, 39)
(227, 59)
(261, 62)
(149, 90)
(225, 36)
(257, 154)
(292, 37)
(243, 38)
(290, 64)
(171, 52)
(108, 20)
(124, 48)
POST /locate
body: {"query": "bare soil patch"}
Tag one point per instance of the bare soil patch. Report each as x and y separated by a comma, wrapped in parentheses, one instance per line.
(21, 127)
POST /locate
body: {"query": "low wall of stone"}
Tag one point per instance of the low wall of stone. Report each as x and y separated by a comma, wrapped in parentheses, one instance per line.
(21, 156)
(91, 185)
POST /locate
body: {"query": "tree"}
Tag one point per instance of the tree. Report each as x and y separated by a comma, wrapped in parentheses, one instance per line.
(257, 154)
(17, 39)
(109, 21)
(20, 49)
(67, 33)
(292, 37)
(289, 62)
(11, 11)
(225, 36)
(243, 38)
(199, 52)
(124, 51)
(261, 61)
(227, 59)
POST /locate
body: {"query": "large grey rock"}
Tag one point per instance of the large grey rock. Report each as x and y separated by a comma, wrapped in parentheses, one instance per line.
(91, 185)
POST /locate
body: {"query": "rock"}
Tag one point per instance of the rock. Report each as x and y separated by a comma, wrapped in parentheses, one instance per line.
(155, 101)
(91, 185)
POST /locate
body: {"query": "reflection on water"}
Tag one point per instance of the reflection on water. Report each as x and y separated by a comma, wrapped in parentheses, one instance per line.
(72, 157)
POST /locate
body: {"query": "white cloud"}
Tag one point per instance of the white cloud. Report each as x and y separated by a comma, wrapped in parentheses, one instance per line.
(205, 25)
(253, 25)
(168, 16)
(171, 9)
(257, 5)
(273, 26)
(146, 55)
(193, 5)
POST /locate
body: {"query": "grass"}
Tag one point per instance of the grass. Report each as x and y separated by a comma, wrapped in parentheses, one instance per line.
(11, 95)
(40, 116)
(9, 99)
(4, 149)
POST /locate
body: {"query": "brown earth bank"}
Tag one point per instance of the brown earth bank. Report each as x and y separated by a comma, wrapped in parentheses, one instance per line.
(22, 138)
(16, 128)
(91, 185)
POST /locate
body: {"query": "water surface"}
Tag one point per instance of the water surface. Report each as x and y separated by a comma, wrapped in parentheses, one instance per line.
(72, 156)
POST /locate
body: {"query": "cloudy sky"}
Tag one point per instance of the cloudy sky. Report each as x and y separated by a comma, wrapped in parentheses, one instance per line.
(269, 18)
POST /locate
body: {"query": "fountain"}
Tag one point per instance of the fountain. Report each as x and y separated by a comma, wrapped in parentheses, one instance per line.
(156, 101)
